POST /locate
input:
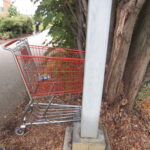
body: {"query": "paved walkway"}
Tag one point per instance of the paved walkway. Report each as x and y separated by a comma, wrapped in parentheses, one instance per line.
(39, 38)
(12, 90)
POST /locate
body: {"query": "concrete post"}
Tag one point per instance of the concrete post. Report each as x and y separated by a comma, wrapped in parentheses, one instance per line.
(96, 48)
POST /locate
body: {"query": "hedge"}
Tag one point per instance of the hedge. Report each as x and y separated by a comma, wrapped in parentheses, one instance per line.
(15, 26)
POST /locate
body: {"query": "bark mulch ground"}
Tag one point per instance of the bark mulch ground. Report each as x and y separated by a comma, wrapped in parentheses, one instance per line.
(42, 137)
(127, 131)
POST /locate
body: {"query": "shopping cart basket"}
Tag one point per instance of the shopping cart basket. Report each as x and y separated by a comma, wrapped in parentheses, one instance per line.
(48, 72)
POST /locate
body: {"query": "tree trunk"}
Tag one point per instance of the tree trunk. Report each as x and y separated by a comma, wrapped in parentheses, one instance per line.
(127, 13)
(80, 22)
(85, 7)
(147, 74)
(139, 56)
(111, 31)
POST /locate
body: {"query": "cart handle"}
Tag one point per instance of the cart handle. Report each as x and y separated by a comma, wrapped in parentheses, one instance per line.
(9, 43)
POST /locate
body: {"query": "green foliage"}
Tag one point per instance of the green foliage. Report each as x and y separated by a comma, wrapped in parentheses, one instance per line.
(15, 26)
(145, 90)
(12, 11)
(58, 14)
(47, 52)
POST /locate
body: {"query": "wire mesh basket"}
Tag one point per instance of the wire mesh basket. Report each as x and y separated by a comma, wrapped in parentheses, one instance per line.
(48, 72)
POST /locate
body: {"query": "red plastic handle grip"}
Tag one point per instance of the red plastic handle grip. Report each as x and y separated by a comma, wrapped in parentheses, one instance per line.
(11, 42)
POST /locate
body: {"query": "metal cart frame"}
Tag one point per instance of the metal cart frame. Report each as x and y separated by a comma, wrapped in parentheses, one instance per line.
(48, 72)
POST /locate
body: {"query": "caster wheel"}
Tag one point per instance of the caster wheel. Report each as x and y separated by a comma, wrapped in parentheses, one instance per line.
(19, 131)
(29, 109)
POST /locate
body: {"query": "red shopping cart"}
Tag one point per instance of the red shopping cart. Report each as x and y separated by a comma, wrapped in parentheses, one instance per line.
(48, 72)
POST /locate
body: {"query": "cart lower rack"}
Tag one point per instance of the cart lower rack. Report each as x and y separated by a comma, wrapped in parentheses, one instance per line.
(48, 72)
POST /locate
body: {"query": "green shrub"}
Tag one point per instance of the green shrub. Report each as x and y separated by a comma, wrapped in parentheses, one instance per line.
(16, 26)
(6, 35)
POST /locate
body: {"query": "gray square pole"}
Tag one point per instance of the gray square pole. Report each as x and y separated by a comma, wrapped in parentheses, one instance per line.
(99, 14)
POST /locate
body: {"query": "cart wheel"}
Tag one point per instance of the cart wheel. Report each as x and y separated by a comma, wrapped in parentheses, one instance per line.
(29, 109)
(19, 131)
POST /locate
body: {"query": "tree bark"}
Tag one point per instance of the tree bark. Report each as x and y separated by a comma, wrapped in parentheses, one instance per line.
(139, 56)
(127, 13)
(112, 27)
(80, 33)
(147, 74)
(85, 7)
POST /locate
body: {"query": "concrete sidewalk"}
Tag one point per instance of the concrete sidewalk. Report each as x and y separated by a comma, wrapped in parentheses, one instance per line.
(12, 90)
(39, 38)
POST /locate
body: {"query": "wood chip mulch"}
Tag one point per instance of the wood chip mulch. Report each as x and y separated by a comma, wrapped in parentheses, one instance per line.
(42, 137)
(126, 131)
